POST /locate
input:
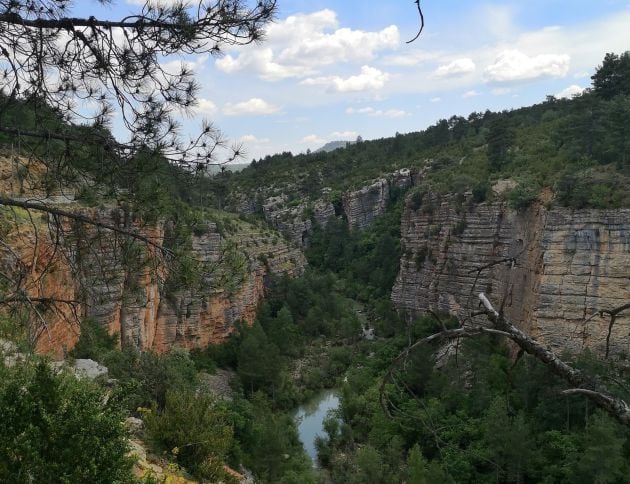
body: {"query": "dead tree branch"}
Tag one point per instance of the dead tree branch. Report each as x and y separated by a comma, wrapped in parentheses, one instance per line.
(417, 2)
(584, 385)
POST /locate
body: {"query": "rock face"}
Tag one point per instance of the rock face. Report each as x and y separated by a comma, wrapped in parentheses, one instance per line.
(153, 302)
(294, 219)
(569, 265)
(363, 205)
(207, 315)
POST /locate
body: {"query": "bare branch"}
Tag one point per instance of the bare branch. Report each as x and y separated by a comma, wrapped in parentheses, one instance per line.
(417, 2)
(585, 385)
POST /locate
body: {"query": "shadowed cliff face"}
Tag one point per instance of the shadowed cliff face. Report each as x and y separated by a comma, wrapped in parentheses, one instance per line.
(570, 265)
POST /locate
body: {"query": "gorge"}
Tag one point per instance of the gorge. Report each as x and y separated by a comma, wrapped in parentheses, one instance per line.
(221, 303)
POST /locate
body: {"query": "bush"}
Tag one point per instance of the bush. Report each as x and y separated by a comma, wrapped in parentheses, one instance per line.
(145, 378)
(415, 200)
(195, 430)
(94, 342)
(522, 196)
(480, 192)
(55, 428)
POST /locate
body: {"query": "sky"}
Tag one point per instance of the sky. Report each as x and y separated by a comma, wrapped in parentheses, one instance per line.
(335, 69)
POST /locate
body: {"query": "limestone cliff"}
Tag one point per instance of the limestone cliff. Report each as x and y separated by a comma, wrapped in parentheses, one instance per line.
(295, 220)
(294, 217)
(152, 301)
(363, 205)
(570, 264)
(147, 308)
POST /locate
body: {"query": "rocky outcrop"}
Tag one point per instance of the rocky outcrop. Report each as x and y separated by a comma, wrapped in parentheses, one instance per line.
(363, 205)
(295, 219)
(569, 265)
(291, 209)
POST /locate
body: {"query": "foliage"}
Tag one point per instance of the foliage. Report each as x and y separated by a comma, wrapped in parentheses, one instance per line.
(478, 419)
(195, 430)
(94, 341)
(612, 78)
(60, 60)
(145, 378)
(270, 443)
(523, 195)
(55, 428)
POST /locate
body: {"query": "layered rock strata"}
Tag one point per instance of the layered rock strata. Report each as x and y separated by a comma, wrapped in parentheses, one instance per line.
(363, 205)
(151, 301)
(568, 266)
(295, 220)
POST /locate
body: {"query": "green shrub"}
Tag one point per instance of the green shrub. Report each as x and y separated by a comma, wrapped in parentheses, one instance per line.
(194, 430)
(145, 378)
(480, 191)
(522, 196)
(94, 341)
(415, 200)
(55, 428)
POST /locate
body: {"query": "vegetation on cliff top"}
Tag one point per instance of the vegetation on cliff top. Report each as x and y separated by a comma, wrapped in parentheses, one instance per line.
(577, 147)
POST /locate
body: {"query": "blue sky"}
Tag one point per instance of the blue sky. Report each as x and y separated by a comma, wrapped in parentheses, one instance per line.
(334, 69)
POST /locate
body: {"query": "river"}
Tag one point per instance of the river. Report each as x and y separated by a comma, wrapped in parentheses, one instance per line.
(310, 418)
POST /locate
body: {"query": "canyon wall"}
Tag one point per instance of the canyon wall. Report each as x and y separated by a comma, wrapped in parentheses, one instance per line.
(295, 221)
(569, 265)
(295, 217)
(363, 205)
(154, 301)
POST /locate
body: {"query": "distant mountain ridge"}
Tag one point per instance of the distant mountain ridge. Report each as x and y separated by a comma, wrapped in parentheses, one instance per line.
(334, 145)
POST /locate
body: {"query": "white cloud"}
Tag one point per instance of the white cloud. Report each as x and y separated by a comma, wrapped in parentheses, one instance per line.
(344, 135)
(205, 107)
(435, 99)
(581, 75)
(250, 138)
(369, 79)
(471, 93)
(254, 106)
(501, 91)
(369, 111)
(174, 67)
(410, 59)
(300, 44)
(456, 68)
(514, 65)
(313, 139)
(571, 91)
(261, 61)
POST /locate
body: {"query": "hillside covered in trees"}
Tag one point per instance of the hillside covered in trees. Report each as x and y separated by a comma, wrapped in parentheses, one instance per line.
(576, 147)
